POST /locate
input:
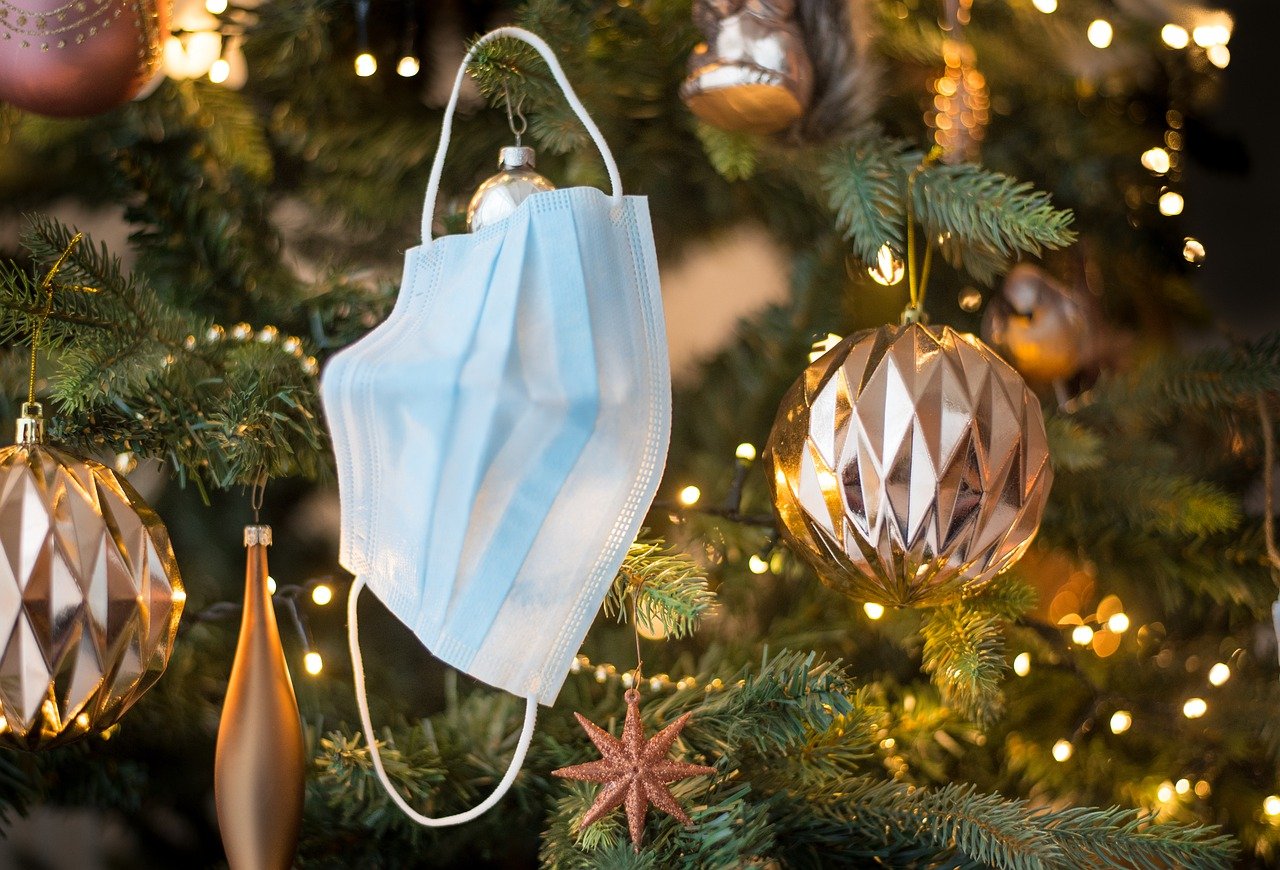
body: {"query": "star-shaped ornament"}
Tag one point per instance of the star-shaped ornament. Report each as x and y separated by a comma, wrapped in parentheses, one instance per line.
(635, 772)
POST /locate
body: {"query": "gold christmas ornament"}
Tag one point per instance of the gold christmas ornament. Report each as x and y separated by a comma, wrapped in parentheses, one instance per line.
(260, 762)
(499, 195)
(908, 464)
(90, 594)
(753, 73)
(1037, 325)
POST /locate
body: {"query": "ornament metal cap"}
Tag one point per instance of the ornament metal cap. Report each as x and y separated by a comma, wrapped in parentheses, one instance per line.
(30, 428)
(257, 536)
(516, 157)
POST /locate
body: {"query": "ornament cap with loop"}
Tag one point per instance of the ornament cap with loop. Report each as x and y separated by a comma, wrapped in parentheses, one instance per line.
(30, 429)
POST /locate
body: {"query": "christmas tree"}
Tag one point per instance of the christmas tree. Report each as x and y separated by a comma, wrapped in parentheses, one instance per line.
(1104, 702)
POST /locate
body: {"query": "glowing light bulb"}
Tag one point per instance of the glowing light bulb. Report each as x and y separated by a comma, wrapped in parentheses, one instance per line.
(746, 452)
(689, 496)
(1219, 674)
(1082, 635)
(1193, 250)
(322, 594)
(969, 299)
(1219, 55)
(1171, 203)
(313, 663)
(889, 267)
(1165, 792)
(1209, 35)
(83, 720)
(215, 7)
(1022, 664)
(1157, 160)
(271, 585)
(1048, 7)
(1203, 788)
(1182, 786)
(408, 66)
(1100, 33)
(873, 610)
(1195, 708)
(1121, 721)
(757, 565)
(220, 71)
(366, 64)
(1175, 36)
(1119, 622)
(1271, 805)
(1062, 750)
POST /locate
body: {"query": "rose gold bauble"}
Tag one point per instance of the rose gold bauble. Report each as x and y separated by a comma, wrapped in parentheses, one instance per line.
(78, 58)
(1038, 326)
(909, 464)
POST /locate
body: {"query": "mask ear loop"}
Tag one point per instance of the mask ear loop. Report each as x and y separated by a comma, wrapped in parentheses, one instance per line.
(362, 701)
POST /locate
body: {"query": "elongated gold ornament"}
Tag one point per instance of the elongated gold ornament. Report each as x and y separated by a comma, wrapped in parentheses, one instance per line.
(260, 764)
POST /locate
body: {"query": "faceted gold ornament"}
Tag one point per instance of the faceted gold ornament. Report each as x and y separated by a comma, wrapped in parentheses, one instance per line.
(90, 595)
(909, 464)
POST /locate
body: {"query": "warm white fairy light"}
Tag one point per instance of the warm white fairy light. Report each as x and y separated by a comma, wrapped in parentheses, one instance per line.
(689, 496)
(1062, 750)
(1048, 7)
(1175, 36)
(408, 66)
(271, 585)
(220, 71)
(1219, 674)
(1182, 786)
(1165, 792)
(1121, 721)
(1171, 203)
(366, 64)
(1100, 33)
(1203, 789)
(1022, 664)
(1193, 250)
(1118, 622)
(1271, 805)
(1194, 708)
(757, 565)
(889, 268)
(1209, 35)
(313, 663)
(1082, 635)
(322, 594)
(215, 7)
(1219, 55)
(746, 452)
(873, 610)
(1157, 160)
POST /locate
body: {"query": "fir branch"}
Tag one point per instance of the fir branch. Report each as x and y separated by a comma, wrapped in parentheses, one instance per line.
(660, 587)
(345, 777)
(734, 155)
(1073, 446)
(964, 654)
(866, 190)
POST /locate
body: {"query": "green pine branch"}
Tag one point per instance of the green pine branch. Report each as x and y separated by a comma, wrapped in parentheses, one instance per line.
(964, 655)
(660, 588)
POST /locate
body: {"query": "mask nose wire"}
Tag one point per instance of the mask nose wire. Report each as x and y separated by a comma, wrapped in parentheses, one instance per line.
(362, 702)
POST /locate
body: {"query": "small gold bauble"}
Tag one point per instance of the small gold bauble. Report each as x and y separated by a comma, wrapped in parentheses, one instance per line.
(90, 594)
(1037, 326)
(909, 464)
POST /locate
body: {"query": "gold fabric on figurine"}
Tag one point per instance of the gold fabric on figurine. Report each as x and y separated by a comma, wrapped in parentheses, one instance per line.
(752, 74)
(90, 595)
(1037, 325)
(909, 464)
(260, 766)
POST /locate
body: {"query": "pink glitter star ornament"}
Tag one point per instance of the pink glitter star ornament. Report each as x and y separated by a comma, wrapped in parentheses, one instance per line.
(635, 772)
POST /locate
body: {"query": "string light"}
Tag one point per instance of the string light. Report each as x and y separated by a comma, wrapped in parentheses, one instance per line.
(1195, 708)
(1121, 721)
(220, 71)
(313, 663)
(1082, 635)
(689, 496)
(322, 594)
(873, 610)
(1203, 788)
(889, 268)
(366, 64)
(1165, 792)
(1171, 203)
(1048, 7)
(1182, 786)
(1271, 805)
(1193, 250)
(1219, 55)
(1157, 160)
(1175, 36)
(271, 585)
(1219, 674)
(757, 565)
(1119, 622)
(746, 452)
(408, 66)
(1062, 750)
(1022, 664)
(1209, 35)
(215, 7)
(1100, 33)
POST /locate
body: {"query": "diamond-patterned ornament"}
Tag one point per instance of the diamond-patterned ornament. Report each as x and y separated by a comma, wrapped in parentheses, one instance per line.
(90, 596)
(909, 464)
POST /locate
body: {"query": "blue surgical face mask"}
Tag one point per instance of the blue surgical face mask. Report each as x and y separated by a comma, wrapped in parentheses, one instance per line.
(500, 437)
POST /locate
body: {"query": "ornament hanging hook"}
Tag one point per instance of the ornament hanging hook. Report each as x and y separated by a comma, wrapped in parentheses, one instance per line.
(47, 288)
(917, 284)
(257, 494)
(514, 113)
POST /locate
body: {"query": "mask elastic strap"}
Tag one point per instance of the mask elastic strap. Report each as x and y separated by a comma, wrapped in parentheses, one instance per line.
(362, 701)
(437, 165)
